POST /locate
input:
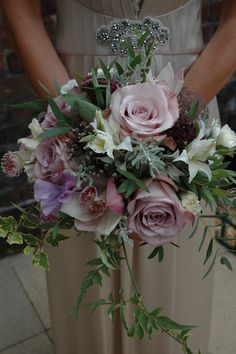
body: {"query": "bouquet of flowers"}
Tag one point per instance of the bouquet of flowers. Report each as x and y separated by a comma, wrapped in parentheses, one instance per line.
(124, 157)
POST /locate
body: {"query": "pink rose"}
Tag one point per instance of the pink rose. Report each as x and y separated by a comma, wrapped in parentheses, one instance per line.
(146, 109)
(49, 157)
(158, 216)
(95, 211)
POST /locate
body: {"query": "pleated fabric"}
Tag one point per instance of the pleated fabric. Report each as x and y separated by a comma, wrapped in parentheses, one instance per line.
(176, 284)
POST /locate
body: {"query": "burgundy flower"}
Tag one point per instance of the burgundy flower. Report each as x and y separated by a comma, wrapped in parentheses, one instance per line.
(11, 164)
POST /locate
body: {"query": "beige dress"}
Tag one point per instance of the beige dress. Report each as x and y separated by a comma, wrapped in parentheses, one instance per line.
(175, 284)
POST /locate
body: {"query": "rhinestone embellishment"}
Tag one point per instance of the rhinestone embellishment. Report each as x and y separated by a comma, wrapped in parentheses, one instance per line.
(118, 33)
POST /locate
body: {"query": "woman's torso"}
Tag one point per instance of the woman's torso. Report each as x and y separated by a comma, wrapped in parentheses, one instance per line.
(79, 20)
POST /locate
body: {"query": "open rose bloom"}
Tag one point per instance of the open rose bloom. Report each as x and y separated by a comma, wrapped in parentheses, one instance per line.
(122, 157)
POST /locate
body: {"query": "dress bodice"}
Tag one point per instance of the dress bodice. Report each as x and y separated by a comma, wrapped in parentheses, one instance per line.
(78, 21)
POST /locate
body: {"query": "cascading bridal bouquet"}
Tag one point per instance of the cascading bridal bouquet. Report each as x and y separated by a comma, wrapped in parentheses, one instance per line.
(122, 157)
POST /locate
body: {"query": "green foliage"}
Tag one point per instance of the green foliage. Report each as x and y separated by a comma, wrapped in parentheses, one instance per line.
(226, 262)
(54, 132)
(132, 183)
(85, 109)
(36, 105)
(159, 252)
(40, 258)
(146, 156)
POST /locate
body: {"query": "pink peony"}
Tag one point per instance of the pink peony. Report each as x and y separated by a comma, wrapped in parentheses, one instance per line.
(146, 109)
(158, 216)
(49, 157)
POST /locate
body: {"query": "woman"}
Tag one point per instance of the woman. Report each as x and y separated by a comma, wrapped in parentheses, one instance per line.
(175, 284)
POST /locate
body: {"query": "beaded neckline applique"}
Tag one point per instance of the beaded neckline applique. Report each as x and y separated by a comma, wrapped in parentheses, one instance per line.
(118, 33)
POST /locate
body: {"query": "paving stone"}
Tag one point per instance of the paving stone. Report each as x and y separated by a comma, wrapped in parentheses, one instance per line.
(37, 345)
(18, 320)
(34, 282)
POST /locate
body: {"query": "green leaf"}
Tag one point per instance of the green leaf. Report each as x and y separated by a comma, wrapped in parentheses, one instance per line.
(3, 233)
(54, 241)
(119, 68)
(37, 105)
(166, 322)
(156, 312)
(141, 40)
(94, 262)
(28, 223)
(30, 239)
(57, 87)
(225, 261)
(108, 94)
(97, 90)
(85, 109)
(105, 70)
(194, 228)
(123, 187)
(96, 304)
(211, 266)
(87, 138)
(8, 223)
(209, 250)
(139, 331)
(41, 259)
(135, 298)
(28, 250)
(45, 88)
(131, 330)
(15, 238)
(137, 61)
(153, 253)
(143, 321)
(161, 254)
(54, 132)
(133, 178)
(61, 118)
(203, 238)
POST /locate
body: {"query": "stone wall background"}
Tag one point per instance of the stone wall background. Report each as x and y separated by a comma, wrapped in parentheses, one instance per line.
(15, 88)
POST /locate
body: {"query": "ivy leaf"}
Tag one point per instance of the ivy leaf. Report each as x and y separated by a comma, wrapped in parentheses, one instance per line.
(131, 330)
(143, 321)
(8, 223)
(167, 323)
(139, 331)
(15, 238)
(225, 261)
(96, 304)
(28, 250)
(40, 259)
(95, 262)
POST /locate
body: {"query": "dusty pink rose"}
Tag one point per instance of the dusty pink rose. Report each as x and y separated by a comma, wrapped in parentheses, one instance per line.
(146, 109)
(49, 157)
(96, 212)
(158, 216)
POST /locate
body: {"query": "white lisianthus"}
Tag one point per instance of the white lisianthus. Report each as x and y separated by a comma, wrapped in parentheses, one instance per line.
(68, 86)
(197, 153)
(106, 138)
(191, 202)
(226, 137)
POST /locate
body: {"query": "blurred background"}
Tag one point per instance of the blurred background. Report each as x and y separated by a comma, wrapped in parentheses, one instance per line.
(15, 88)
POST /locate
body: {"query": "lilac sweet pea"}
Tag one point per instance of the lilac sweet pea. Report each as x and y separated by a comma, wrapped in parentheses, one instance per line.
(52, 195)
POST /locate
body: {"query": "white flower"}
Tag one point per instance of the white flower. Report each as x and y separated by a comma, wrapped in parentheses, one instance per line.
(197, 153)
(106, 138)
(68, 86)
(35, 128)
(191, 203)
(226, 137)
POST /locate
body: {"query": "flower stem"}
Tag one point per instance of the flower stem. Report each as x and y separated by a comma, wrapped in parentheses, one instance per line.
(130, 270)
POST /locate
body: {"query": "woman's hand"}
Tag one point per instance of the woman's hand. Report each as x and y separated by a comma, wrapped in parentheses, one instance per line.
(217, 62)
(30, 40)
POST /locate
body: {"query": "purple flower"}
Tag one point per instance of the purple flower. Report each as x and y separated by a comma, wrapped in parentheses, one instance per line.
(51, 196)
(49, 157)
